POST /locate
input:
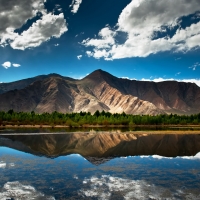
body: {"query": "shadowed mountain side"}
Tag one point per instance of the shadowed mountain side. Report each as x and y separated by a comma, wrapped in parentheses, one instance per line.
(41, 96)
(17, 85)
(104, 145)
(101, 91)
(170, 96)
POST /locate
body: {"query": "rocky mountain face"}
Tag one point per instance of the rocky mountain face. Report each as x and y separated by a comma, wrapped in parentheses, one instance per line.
(99, 91)
(5, 87)
(99, 147)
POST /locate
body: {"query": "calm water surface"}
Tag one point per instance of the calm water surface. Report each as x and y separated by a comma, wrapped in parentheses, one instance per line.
(99, 166)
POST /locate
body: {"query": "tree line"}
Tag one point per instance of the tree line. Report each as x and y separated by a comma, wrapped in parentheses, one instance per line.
(98, 118)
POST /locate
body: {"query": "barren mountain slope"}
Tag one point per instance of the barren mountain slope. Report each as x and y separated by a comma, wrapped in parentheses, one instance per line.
(102, 91)
(5, 87)
(169, 96)
(58, 94)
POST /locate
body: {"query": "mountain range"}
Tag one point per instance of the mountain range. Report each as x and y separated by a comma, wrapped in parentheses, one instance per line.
(99, 91)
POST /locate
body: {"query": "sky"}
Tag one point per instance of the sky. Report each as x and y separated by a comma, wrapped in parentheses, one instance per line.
(152, 40)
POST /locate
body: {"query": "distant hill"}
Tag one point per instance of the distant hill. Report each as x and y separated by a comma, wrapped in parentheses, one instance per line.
(99, 91)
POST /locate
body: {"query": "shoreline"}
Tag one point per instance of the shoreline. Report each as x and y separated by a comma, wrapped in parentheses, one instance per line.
(93, 131)
(142, 133)
(97, 126)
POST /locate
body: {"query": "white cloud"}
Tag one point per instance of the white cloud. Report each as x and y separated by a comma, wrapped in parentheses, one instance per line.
(79, 57)
(140, 20)
(58, 8)
(193, 67)
(178, 73)
(196, 81)
(126, 78)
(16, 13)
(107, 39)
(16, 190)
(16, 65)
(89, 53)
(6, 64)
(103, 187)
(75, 5)
(41, 31)
(56, 45)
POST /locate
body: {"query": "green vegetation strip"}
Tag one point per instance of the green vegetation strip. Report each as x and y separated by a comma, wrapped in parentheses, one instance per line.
(103, 118)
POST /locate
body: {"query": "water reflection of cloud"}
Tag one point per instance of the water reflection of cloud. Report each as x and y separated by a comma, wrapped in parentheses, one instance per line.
(75, 177)
(16, 190)
(11, 164)
(106, 186)
(196, 157)
(2, 165)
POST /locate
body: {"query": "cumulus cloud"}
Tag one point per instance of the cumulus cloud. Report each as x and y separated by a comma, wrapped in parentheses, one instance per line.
(6, 64)
(142, 20)
(16, 65)
(103, 187)
(42, 30)
(75, 5)
(16, 190)
(14, 15)
(79, 57)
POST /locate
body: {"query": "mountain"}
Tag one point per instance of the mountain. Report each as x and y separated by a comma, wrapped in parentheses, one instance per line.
(5, 87)
(99, 91)
(100, 147)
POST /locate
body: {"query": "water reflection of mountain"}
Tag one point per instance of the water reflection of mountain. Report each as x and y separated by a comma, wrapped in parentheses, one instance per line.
(104, 145)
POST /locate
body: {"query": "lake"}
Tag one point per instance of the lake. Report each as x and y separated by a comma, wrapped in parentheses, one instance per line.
(99, 165)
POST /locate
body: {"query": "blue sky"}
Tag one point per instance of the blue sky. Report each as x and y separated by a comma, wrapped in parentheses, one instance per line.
(139, 39)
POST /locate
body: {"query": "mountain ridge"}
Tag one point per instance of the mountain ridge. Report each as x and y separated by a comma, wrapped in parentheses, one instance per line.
(99, 91)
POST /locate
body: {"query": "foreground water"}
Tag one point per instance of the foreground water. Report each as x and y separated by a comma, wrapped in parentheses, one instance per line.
(99, 166)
